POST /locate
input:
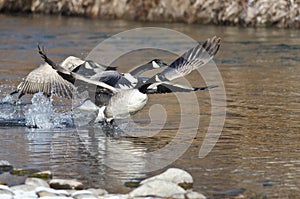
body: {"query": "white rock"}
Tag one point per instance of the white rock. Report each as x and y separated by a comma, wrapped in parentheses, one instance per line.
(36, 182)
(174, 175)
(65, 184)
(159, 188)
(6, 190)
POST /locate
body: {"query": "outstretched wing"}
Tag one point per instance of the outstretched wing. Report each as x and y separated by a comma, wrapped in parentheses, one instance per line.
(71, 76)
(192, 59)
(189, 61)
(45, 79)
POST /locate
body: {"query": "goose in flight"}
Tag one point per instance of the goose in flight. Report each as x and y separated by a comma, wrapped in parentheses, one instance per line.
(45, 79)
(124, 102)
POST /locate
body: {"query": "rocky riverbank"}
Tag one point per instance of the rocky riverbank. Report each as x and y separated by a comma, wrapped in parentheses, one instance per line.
(253, 13)
(173, 183)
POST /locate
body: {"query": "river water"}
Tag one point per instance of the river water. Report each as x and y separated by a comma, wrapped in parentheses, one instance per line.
(257, 153)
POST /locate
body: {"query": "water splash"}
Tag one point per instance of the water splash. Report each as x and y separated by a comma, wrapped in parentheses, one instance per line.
(41, 114)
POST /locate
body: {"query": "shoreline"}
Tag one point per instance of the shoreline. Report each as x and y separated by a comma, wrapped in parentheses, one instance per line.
(244, 13)
(172, 183)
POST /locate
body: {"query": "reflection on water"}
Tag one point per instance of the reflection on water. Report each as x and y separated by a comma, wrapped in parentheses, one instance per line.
(259, 146)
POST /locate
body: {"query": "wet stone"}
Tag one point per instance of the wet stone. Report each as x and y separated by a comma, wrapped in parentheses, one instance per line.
(42, 174)
(66, 184)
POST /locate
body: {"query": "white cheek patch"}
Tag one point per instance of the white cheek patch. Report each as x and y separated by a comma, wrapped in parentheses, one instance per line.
(155, 65)
(88, 66)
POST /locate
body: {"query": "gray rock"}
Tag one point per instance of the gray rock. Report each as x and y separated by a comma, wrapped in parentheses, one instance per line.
(36, 182)
(5, 166)
(66, 184)
(177, 176)
(157, 187)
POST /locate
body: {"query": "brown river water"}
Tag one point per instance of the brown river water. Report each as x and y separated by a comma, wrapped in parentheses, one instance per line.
(257, 153)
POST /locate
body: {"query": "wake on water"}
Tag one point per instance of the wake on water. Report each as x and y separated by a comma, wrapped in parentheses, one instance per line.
(40, 113)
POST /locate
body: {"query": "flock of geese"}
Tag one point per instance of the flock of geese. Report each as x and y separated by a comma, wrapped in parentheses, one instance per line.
(117, 95)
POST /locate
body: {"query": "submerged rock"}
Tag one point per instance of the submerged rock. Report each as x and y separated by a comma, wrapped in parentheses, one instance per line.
(42, 174)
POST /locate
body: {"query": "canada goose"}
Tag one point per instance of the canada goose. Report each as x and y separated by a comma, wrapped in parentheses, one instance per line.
(123, 102)
(45, 79)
